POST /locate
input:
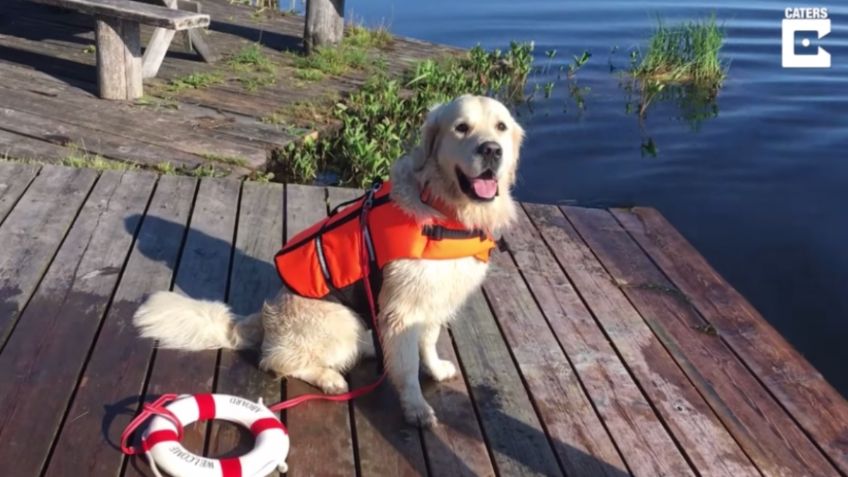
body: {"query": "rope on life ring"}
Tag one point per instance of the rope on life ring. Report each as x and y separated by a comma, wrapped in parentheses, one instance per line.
(160, 442)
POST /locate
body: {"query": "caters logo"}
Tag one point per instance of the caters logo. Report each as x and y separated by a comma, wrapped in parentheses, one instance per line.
(797, 21)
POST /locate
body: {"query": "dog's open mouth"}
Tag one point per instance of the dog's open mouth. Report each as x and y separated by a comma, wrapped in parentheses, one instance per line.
(483, 187)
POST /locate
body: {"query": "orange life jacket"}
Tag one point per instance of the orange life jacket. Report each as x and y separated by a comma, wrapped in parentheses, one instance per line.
(326, 257)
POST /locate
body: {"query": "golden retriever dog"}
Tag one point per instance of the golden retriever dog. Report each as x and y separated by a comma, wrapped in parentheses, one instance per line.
(467, 160)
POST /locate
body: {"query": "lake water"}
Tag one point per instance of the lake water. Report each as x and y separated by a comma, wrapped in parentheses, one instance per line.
(760, 189)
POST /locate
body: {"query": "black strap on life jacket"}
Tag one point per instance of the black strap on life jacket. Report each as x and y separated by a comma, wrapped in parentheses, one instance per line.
(438, 232)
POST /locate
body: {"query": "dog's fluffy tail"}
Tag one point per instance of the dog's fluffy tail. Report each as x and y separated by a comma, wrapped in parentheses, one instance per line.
(184, 323)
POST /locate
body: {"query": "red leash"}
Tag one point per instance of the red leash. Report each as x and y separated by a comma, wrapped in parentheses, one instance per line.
(158, 406)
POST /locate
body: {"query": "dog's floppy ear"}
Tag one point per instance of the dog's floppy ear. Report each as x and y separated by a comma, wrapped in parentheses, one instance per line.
(517, 137)
(429, 136)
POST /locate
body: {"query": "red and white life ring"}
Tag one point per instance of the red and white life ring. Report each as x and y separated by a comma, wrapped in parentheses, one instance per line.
(161, 439)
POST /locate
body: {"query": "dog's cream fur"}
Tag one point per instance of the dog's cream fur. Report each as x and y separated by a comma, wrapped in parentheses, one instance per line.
(317, 340)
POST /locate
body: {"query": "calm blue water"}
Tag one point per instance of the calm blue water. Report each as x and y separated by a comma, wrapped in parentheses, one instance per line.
(760, 189)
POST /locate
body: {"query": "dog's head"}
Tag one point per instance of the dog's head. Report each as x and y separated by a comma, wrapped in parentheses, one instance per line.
(468, 159)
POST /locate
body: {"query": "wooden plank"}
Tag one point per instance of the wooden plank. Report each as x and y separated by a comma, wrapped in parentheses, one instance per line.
(456, 446)
(15, 146)
(311, 424)
(253, 280)
(514, 434)
(14, 180)
(203, 274)
(764, 429)
(46, 354)
(796, 384)
(33, 231)
(707, 443)
(118, 58)
(153, 15)
(578, 435)
(643, 442)
(164, 129)
(89, 141)
(114, 376)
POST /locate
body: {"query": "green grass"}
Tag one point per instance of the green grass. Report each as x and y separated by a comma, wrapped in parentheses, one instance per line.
(682, 65)
(229, 160)
(379, 122)
(79, 157)
(309, 74)
(251, 58)
(166, 168)
(194, 81)
(254, 69)
(206, 170)
(359, 36)
(334, 60)
(156, 103)
(683, 53)
(354, 52)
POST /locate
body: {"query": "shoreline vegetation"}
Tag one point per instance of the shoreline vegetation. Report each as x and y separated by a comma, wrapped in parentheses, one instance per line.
(378, 123)
(349, 141)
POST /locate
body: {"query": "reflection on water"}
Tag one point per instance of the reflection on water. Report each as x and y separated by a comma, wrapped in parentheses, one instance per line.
(693, 105)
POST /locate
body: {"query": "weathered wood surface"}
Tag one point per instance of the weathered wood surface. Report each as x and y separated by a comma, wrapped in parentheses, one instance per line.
(802, 390)
(31, 234)
(14, 180)
(696, 428)
(42, 360)
(259, 235)
(578, 436)
(136, 12)
(589, 351)
(777, 446)
(157, 48)
(48, 54)
(203, 273)
(109, 390)
(514, 433)
(644, 443)
(118, 58)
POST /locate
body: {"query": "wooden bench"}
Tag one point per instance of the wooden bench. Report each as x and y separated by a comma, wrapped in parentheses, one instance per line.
(120, 66)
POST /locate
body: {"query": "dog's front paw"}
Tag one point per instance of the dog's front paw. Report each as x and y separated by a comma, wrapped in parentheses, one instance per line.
(332, 382)
(419, 414)
(441, 370)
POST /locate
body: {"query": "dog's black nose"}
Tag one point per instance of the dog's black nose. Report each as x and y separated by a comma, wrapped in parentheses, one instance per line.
(490, 150)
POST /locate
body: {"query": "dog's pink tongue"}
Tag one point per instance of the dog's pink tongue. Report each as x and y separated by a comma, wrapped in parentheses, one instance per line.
(485, 188)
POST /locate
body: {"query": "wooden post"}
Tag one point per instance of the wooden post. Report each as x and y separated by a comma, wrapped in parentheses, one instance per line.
(324, 23)
(118, 58)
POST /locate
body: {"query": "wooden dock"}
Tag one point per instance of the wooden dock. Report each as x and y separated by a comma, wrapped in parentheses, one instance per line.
(601, 343)
(49, 109)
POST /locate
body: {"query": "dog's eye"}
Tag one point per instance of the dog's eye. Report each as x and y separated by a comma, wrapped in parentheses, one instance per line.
(501, 126)
(461, 128)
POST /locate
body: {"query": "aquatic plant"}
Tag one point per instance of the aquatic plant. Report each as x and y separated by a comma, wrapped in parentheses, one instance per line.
(682, 65)
(683, 53)
(380, 122)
